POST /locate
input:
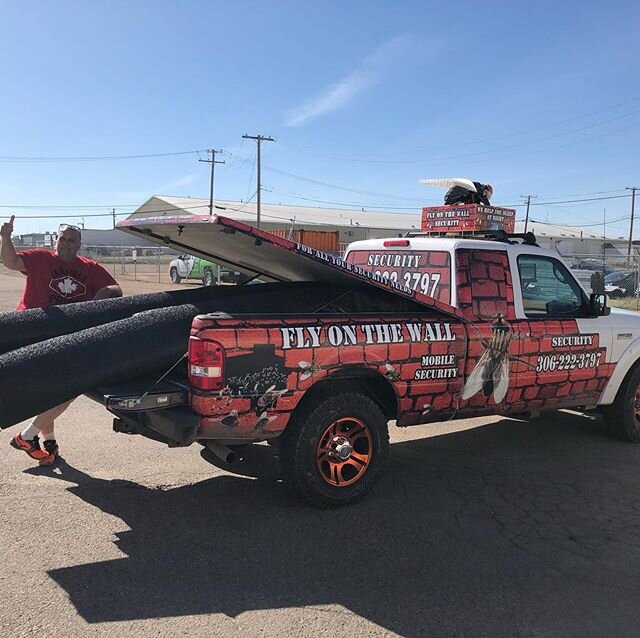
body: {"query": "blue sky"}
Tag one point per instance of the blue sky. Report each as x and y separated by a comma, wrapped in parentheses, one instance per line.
(367, 96)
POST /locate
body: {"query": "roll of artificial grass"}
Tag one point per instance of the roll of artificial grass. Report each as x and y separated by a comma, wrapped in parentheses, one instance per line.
(22, 328)
(41, 375)
(45, 374)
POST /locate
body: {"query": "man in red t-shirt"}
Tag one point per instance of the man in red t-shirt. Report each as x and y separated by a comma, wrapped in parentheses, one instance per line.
(53, 278)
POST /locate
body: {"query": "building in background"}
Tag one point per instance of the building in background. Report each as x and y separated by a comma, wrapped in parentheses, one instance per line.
(573, 242)
(95, 242)
(353, 225)
(35, 240)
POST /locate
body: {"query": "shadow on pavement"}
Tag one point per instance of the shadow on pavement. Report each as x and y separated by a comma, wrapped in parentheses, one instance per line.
(509, 529)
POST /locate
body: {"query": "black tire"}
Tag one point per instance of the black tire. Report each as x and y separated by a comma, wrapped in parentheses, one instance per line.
(623, 415)
(348, 423)
(207, 277)
(175, 277)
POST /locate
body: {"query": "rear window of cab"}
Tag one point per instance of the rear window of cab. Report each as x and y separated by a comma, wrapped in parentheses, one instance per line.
(426, 271)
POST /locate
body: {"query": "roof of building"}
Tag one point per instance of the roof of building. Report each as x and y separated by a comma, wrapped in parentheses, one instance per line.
(558, 231)
(285, 214)
(282, 215)
(110, 237)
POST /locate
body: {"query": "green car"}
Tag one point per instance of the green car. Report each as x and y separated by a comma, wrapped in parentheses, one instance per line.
(190, 267)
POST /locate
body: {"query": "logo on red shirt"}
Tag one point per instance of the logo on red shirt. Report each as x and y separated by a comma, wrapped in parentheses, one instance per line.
(67, 287)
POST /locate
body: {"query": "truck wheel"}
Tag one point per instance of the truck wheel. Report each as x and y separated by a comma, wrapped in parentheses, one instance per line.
(334, 451)
(623, 416)
(175, 277)
(207, 277)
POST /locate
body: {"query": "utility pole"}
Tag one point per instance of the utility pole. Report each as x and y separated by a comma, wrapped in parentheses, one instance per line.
(258, 139)
(633, 190)
(113, 213)
(213, 163)
(526, 219)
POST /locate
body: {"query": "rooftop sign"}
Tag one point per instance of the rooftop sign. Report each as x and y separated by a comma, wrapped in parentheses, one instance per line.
(467, 218)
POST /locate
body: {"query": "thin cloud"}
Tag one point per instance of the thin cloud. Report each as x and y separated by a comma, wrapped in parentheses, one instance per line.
(185, 180)
(338, 95)
(159, 189)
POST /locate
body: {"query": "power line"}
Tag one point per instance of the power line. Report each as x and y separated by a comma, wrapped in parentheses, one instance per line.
(69, 207)
(572, 201)
(612, 221)
(196, 206)
(493, 138)
(95, 158)
(353, 204)
(551, 148)
(421, 200)
(521, 144)
(343, 188)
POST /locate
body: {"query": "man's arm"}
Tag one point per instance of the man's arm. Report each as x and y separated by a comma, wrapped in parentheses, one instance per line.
(108, 291)
(7, 250)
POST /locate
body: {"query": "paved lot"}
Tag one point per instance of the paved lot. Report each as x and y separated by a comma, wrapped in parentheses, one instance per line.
(502, 529)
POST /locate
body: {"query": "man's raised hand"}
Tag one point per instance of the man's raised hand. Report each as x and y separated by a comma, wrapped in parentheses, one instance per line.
(7, 228)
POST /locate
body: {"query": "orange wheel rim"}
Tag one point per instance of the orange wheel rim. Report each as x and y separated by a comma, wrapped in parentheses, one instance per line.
(344, 452)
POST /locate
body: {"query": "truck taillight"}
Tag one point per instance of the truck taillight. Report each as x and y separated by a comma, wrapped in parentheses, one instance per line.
(206, 364)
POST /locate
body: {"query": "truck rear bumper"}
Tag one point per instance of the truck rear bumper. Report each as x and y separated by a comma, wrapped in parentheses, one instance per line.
(156, 410)
(177, 427)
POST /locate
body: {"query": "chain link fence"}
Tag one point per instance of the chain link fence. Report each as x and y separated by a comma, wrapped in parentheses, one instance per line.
(135, 263)
(617, 275)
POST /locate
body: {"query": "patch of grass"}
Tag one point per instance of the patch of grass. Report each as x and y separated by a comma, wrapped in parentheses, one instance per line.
(628, 303)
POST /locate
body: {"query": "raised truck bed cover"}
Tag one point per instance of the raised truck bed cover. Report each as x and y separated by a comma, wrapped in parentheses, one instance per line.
(257, 252)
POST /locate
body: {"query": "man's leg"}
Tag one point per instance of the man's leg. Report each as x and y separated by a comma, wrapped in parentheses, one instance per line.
(42, 425)
(45, 422)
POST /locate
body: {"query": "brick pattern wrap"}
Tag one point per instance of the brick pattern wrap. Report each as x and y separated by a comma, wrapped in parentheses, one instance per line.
(531, 390)
(226, 415)
(572, 386)
(483, 281)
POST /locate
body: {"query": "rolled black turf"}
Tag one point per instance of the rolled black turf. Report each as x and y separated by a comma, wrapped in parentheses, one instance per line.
(22, 328)
(42, 375)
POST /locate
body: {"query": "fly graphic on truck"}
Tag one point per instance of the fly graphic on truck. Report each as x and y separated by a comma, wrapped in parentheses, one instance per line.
(324, 353)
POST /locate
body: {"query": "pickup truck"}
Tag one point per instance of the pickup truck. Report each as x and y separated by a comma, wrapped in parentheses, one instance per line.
(411, 329)
(190, 267)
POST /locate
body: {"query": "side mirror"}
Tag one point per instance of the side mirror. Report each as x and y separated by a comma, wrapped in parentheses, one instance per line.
(598, 305)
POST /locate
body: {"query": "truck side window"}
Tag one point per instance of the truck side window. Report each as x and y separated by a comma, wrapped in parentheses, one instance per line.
(547, 288)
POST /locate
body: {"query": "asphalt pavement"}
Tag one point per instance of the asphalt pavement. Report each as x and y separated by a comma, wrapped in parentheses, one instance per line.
(485, 527)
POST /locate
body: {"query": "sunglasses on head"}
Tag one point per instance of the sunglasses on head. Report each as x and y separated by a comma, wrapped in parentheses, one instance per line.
(64, 227)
